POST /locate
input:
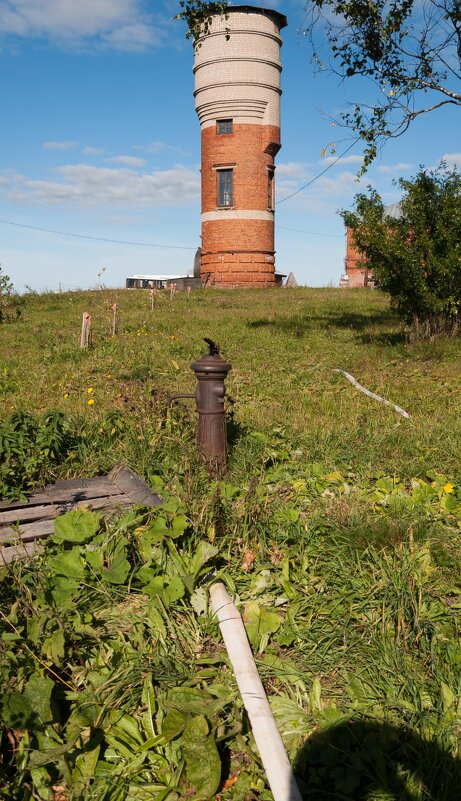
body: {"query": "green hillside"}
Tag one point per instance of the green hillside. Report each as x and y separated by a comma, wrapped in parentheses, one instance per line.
(337, 529)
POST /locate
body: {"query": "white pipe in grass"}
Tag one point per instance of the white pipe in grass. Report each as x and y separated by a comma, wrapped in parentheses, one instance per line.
(267, 736)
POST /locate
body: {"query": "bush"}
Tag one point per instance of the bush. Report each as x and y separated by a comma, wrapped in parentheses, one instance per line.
(10, 302)
(416, 258)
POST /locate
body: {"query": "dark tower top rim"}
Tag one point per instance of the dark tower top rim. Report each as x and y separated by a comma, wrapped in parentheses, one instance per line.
(280, 19)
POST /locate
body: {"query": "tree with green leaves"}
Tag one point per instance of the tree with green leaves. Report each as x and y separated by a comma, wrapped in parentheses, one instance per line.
(198, 14)
(10, 303)
(415, 255)
(409, 50)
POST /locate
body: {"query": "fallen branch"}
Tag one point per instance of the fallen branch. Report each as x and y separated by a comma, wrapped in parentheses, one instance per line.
(372, 394)
(267, 736)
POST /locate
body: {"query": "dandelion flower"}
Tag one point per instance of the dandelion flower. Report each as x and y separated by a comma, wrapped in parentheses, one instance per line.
(90, 402)
(448, 488)
(90, 390)
(66, 395)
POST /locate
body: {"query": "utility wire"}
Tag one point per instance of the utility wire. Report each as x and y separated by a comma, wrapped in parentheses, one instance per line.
(316, 177)
(184, 247)
(95, 238)
(313, 233)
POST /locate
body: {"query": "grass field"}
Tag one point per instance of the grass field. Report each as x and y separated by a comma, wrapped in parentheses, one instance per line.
(337, 528)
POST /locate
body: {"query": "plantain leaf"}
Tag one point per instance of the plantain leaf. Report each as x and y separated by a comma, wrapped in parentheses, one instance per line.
(203, 765)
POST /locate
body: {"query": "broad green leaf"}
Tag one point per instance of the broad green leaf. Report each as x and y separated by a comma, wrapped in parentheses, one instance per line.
(31, 708)
(448, 696)
(203, 765)
(205, 551)
(53, 646)
(85, 767)
(199, 601)
(63, 591)
(193, 701)
(315, 695)
(78, 526)
(156, 621)
(178, 526)
(167, 591)
(118, 566)
(43, 757)
(69, 564)
(260, 623)
(173, 724)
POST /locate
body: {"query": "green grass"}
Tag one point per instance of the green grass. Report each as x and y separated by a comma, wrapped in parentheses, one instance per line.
(337, 527)
(283, 347)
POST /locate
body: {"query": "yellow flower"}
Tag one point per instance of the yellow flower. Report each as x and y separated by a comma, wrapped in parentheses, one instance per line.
(90, 402)
(90, 390)
(66, 395)
(448, 488)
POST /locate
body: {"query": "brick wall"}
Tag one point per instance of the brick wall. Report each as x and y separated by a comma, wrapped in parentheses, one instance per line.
(359, 275)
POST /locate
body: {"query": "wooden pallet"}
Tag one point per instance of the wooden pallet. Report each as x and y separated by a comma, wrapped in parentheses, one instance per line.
(24, 523)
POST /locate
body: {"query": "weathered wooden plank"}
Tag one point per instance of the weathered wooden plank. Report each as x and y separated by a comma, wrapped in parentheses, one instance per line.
(43, 528)
(27, 532)
(35, 518)
(30, 513)
(135, 488)
(54, 495)
(79, 483)
(21, 551)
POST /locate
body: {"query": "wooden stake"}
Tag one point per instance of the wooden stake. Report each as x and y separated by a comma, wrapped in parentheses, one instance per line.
(114, 319)
(85, 339)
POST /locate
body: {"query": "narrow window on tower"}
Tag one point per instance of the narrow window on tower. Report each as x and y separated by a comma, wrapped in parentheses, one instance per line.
(270, 189)
(224, 126)
(225, 187)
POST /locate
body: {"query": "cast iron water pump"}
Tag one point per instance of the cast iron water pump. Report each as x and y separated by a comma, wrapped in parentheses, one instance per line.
(211, 371)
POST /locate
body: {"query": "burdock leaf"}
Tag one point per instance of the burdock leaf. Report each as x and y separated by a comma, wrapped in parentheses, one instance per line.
(76, 526)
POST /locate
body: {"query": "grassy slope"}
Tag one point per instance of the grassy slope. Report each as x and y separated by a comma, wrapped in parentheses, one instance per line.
(283, 346)
(361, 571)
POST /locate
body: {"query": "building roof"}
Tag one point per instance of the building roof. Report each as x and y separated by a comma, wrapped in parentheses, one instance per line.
(280, 19)
(394, 210)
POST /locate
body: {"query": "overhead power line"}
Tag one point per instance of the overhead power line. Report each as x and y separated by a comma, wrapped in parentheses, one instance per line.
(312, 233)
(316, 177)
(96, 238)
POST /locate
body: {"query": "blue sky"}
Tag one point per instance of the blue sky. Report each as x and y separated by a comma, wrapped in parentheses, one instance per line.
(99, 138)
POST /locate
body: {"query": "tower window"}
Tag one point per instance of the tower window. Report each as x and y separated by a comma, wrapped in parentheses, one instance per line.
(225, 187)
(270, 189)
(224, 126)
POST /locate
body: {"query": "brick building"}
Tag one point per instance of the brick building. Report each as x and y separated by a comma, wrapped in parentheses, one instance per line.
(237, 96)
(357, 272)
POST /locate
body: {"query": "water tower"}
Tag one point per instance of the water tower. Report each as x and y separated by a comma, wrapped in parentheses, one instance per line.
(237, 97)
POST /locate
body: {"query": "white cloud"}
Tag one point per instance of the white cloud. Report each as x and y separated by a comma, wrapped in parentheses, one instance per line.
(87, 185)
(157, 147)
(128, 161)
(119, 24)
(395, 169)
(294, 169)
(452, 159)
(343, 160)
(93, 151)
(59, 145)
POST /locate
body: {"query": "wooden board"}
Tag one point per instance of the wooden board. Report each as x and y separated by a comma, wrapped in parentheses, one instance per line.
(24, 523)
